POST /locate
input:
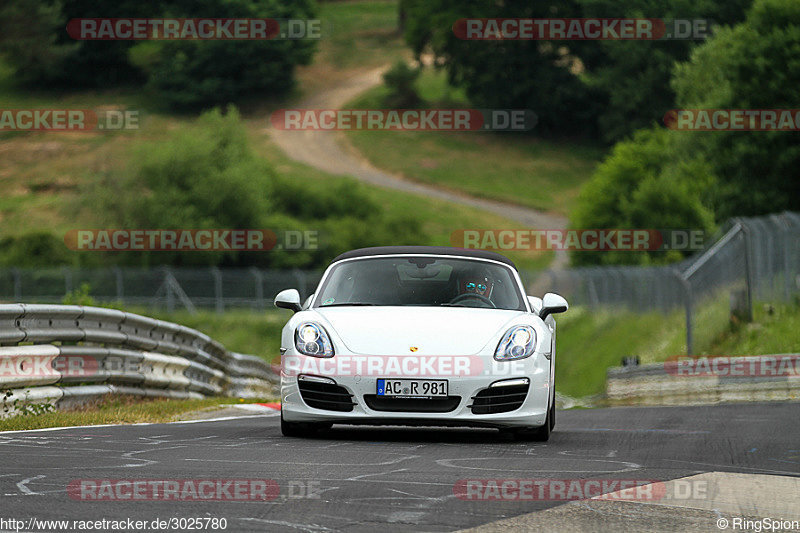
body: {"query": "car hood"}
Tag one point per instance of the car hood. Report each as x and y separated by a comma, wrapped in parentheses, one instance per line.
(432, 330)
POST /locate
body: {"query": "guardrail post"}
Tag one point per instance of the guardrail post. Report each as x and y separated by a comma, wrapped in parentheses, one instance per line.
(17, 284)
(67, 280)
(219, 305)
(169, 291)
(687, 301)
(301, 282)
(259, 281)
(785, 244)
(120, 285)
(748, 279)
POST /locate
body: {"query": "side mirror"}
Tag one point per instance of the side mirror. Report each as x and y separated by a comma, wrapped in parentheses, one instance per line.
(552, 303)
(288, 299)
(536, 304)
(308, 301)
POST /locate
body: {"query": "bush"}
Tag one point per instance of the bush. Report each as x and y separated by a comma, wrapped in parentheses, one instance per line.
(38, 249)
(400, 81)
(207, 176)
(643, 185)
(202, 74)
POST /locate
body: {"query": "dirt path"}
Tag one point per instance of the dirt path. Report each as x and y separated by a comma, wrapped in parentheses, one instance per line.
(332, 153)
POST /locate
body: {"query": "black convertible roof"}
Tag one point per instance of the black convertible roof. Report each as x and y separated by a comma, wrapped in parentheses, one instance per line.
(431, 250)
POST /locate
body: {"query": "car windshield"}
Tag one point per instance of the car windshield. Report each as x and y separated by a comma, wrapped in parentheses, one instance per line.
(421, 281)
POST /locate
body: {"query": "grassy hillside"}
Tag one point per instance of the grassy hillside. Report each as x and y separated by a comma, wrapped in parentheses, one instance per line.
(512, 166)
(42, 174)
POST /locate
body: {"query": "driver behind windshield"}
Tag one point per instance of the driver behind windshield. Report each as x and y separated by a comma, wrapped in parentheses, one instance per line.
(481, 285)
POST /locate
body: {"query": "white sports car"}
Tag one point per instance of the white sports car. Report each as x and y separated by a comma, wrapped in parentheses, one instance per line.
(418, 335)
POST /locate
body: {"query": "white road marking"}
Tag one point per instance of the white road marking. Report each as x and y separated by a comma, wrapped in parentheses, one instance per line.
(628, 466)
(311, 528)
(393, 461)
(22, 485)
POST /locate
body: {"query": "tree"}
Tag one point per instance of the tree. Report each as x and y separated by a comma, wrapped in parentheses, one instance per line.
(643, 185)
(202, 74)
(664, 179)
(753, 65)
(632, 77)
(534, 75)
(604, 89)
(28, 38)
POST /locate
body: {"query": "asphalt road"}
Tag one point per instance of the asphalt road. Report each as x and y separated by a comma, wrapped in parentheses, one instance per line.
(379, 479)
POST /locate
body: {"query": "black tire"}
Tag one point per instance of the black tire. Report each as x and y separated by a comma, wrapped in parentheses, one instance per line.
(534, 434)
(302, 430)
(537, 434)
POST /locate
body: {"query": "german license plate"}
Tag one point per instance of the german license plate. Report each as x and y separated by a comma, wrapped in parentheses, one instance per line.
(412, 388)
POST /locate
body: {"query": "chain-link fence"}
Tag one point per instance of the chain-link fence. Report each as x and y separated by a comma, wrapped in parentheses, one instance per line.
(753, 259)
(168, 288)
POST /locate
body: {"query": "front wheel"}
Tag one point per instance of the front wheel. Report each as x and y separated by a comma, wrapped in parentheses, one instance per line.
(302, 429)
(536, 434)
(540, 434)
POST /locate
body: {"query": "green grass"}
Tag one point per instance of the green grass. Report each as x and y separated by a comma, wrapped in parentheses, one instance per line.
(510, 167)
(359, 34)
(775, 329)
(117, 410)
(589, 342)
(13, 96)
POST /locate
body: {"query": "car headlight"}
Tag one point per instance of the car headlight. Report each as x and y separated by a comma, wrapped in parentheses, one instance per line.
(518, 342)
(312, 339)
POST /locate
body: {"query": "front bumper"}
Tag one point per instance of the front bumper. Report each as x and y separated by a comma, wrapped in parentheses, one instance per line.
(462, 391)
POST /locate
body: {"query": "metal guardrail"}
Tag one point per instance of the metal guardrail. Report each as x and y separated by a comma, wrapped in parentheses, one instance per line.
(758, 378)
(105, 351)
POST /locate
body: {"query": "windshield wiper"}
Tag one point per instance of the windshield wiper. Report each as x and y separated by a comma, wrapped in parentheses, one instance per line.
(346, 303)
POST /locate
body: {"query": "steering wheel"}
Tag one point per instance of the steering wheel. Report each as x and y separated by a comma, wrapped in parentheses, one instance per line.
(475, 296)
